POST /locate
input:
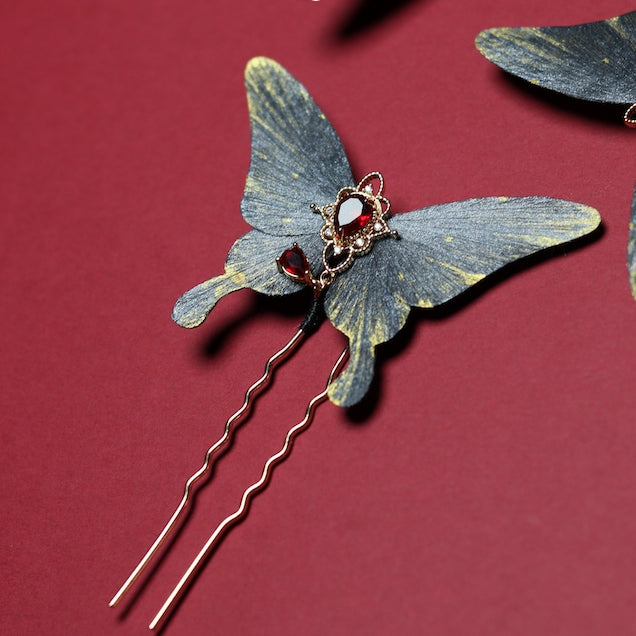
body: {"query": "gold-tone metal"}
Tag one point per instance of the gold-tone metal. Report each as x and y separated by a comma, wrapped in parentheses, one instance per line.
(361, 241)
(340, 249)
(247, 496)
(189, 490)
(630, 116)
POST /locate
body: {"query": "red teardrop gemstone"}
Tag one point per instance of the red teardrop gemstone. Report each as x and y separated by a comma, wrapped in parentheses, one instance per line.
(294, 263)
(352, 214)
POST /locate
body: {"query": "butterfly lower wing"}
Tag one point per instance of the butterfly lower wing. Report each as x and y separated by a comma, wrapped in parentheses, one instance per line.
(251, 263)
(443, 250)
(366, 304)
(594, 61)
(297, 158)
(631, 248)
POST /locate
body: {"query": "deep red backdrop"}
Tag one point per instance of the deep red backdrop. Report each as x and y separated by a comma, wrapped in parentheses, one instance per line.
(492, 486)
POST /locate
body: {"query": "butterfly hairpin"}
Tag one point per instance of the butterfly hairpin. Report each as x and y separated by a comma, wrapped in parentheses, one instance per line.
(315, 226)
(595, 61)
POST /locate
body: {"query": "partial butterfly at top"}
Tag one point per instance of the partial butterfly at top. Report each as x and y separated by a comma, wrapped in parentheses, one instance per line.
(594, 61)
(315, 225)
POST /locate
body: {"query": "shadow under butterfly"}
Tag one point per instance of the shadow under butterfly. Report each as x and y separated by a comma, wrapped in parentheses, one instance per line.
(316, 226)
(367, 14)
(595, 61)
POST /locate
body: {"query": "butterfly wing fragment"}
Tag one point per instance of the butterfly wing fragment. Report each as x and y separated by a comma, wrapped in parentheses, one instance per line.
(297, 159)
(631, 248)
(443, 250)
(594, 61)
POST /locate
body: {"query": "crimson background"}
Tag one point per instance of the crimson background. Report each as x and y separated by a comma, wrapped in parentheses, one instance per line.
(488, 485)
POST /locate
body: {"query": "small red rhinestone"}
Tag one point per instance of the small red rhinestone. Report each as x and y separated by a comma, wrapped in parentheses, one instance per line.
(295, 264)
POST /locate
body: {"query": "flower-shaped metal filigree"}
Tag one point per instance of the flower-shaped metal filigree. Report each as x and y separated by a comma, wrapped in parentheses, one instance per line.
(353, 222)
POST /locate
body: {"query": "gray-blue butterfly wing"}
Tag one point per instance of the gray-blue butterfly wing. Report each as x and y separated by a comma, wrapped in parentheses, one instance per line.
(297, 159)
(442, 251)
(594, 61)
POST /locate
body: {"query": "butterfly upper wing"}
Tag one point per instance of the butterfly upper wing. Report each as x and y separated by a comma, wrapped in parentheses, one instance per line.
(251, 263)
(442, 250)
(594, 61)
(631, 248)
(297, 159)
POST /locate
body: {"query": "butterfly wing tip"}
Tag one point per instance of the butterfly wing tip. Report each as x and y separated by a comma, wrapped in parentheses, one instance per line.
(186, 314)
(349, 387)
(184, 320)
(480, 38)
(335, 398)
(487, 40)
(593, 217)
(258, 62)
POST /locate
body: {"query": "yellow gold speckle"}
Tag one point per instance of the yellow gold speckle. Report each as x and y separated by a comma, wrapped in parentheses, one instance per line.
(448, 239)
(503, 199)
(467, 277)
(606, 60)
(238, 278)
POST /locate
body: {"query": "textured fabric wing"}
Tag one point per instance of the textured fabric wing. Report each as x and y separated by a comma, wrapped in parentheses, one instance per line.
(631, 248)
(447, 248)
(368, 306)
(297, 158)
(443, 250)
(251, 263)
(594, 61)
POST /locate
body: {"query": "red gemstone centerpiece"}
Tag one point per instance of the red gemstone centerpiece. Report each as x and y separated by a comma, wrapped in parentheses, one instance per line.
(352, 224)
(352, 214)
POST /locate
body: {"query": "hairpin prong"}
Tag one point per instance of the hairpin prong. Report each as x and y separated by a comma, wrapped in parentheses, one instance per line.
(252, 490)
(196, 479)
